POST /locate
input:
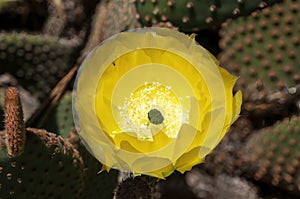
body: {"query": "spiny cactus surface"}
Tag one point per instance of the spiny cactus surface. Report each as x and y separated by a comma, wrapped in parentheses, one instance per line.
(96, 184)
(14, 125)
(121, 16)
(191, 15)
(263, 49)
(48, 168)
(33, 162)
(273, 155)
(37, 61)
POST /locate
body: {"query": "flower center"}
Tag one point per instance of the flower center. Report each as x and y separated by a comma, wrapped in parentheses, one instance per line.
(150, 109)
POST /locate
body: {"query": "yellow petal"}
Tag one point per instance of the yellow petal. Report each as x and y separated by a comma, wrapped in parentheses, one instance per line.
(190, 159)
(237, 104)
(149, 99)
(144, 166)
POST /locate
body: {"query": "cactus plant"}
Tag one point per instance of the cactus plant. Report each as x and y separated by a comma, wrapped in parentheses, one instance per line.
(31, 158)
(110, 18)
(191, 15)
(273, 155)
(261, 48)
(264, 48)
(97, 184)
(224, 158)
(48, 168)
(60, 118)
(37, 61)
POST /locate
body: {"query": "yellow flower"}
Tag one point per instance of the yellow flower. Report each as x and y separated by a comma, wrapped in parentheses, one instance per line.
(151, 101)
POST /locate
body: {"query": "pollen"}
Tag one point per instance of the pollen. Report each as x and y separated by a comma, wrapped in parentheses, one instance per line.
(151, 108)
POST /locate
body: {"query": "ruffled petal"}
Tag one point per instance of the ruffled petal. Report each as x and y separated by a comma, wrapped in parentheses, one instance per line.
(190, 159)
(151, 101)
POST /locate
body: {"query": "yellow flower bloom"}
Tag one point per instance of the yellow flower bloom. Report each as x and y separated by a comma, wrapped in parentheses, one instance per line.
(152, 101)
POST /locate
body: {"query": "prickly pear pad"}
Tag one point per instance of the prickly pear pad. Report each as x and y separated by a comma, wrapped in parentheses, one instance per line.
(152, 101)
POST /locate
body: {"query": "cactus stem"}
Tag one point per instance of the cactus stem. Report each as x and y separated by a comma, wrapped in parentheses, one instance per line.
(14, 123)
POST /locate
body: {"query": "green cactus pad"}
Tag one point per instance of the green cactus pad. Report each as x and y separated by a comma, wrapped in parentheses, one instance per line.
(263, 49)
(191, 15)
(60, 119)
(38, 62)
(96, 184)
(273, 155)
(120, 16)
(48, 168)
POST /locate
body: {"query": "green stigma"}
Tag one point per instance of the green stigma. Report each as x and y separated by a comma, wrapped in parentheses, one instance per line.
(155, 117)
